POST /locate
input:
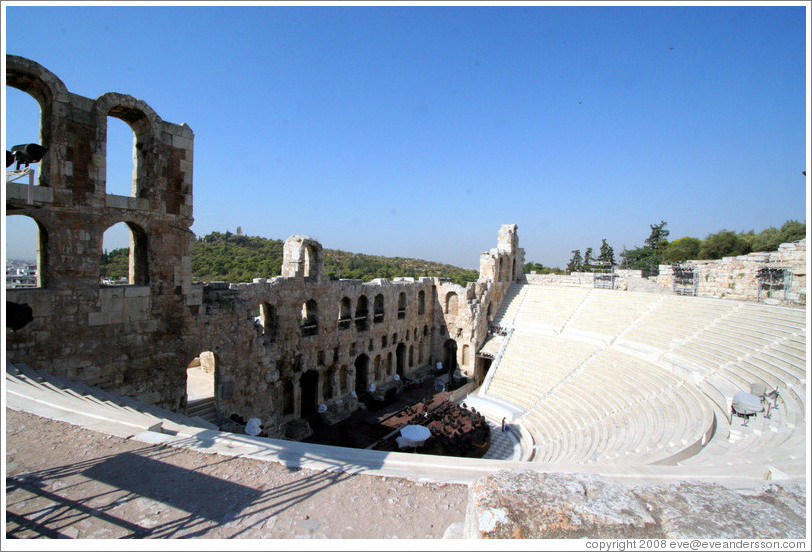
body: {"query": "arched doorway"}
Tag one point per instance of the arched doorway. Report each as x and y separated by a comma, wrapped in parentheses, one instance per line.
(201, 375)
(309, 384)
(361, 374)
(400, 359)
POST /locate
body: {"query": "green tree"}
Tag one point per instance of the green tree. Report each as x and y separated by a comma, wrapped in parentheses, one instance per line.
(607, 253)
(575, 264)
(656, 240)
(682, 249)
(724, 243)
(640, 258)
(588, 260)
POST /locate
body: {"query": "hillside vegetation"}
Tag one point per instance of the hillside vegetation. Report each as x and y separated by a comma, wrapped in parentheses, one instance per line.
(236, 258)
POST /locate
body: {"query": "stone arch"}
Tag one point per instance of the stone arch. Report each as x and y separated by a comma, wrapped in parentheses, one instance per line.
(138, 263)
(378, 309)
(45, 87)
(389, 364)
(401, 305)
(344, 313)
(202, 376)
(421, 302)
(25, 226)
(465, 355)
(302, 257)
(309, 323)
(361, 313)
(451, 303)
(143, 121)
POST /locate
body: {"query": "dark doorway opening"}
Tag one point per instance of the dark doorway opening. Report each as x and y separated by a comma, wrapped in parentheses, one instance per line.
(310, 390)
(361, 374)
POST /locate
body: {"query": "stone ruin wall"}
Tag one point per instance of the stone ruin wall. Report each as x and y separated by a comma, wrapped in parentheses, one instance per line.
(124, 338)
(583, 279)
(728, 277)
(735, 277)
(139, 339)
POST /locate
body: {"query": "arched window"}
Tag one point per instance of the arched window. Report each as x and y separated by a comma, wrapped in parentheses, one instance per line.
(361, 313)
(421, 302)
(389, 364)
(309, 262)
(402, 305)
(26, 252)
(24, 127)
(465, 355)
(310, 319)
(378, 314)
(120, 264)
(120, 160)
(344, 314)
(451, 303)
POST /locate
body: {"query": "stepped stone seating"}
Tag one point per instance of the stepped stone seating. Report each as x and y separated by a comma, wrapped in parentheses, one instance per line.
(653, 377)
(616, 406)
(533, 363)
(549, 307)
(510, 304)
(607, 312)
(74, 402)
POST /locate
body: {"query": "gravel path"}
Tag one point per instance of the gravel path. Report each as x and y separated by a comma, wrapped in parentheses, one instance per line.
(65, 481)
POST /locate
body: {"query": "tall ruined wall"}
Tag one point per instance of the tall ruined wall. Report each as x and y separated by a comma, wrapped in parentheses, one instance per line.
(288, 345)
(281, 349)
(124, 338)
(735, 277)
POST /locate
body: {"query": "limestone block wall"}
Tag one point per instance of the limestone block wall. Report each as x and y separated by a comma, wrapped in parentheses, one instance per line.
(735, 277)
(582, 279)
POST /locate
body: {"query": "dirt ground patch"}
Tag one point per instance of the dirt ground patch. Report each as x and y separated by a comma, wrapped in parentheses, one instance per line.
(65, 481)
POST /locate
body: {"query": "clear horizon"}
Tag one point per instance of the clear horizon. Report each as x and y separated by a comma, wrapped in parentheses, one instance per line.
(418, 131)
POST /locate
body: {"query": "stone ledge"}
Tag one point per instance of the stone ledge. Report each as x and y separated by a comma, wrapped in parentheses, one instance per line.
(532, 505)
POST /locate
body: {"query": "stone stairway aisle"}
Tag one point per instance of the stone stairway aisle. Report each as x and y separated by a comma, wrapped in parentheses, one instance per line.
(203, 409)
(74, 402)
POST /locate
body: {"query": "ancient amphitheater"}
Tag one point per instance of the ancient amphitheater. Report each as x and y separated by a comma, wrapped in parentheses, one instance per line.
(619, 403)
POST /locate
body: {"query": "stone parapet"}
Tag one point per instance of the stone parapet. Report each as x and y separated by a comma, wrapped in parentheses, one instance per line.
(516, 504)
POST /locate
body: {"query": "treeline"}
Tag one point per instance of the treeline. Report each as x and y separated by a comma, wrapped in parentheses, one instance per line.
(657, 250)
(237, 258)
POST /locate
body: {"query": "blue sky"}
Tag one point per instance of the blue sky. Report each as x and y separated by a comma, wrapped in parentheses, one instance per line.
(418, 131)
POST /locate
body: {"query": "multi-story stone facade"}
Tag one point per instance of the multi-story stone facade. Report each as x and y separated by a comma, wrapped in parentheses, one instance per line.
(281, 349)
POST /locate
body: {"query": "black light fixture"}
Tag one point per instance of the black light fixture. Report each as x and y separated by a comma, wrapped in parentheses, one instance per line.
(25, 154)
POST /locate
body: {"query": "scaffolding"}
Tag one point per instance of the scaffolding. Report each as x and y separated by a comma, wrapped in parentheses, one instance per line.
(686, 280)
(603, 276)
(773, 281)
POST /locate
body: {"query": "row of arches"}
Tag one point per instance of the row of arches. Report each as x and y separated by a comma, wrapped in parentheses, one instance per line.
(347, 316)
(31, 243)
(127, 123)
